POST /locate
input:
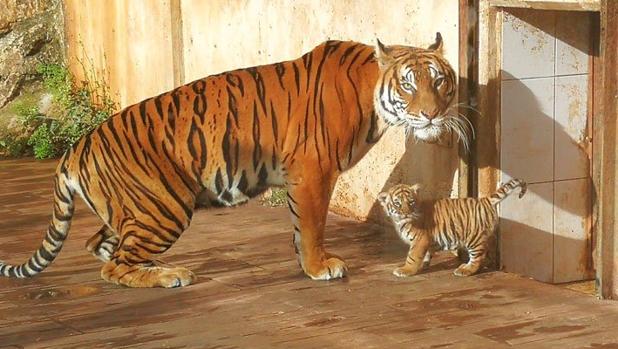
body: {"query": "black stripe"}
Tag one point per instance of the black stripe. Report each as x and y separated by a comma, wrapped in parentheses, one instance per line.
(235, 81)
(200, 106)
(306, 125)
(370, 58)
(243, 183)
(296, 77)
(280, 70)
(337, 155)
(158, 106)
(259, 83)
(226, 147)
(373, 126)
(346, 53)
(218, 181)
(273, 117)
(231, 102)
(257, 148)
(290, 197)
(262, 176)
(293, 211)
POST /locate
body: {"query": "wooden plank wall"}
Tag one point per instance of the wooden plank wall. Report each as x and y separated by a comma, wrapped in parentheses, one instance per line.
(607, 271)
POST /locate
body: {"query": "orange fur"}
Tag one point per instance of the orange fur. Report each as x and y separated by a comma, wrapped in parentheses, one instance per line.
(226, 138)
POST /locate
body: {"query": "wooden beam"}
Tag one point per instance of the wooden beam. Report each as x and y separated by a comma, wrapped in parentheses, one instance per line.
(489, 61)
(607, 271)
(177, 42)
(563, 5)
(486, 159)
(468, 25)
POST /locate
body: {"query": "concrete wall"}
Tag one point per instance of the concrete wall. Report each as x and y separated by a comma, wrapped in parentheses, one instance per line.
(128, 43)
(219, 35)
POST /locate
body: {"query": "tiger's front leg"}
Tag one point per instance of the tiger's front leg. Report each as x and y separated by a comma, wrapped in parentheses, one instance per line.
(419, 248)
(308, 199)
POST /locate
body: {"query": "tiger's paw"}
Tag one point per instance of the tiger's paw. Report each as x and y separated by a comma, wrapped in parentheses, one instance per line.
(175, 277)
(147, 275)
(329, 268)
(403, 272)
(465, 270)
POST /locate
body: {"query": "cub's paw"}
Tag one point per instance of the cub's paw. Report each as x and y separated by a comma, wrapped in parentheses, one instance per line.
(330, 268)
(465, 270)
(403, 272)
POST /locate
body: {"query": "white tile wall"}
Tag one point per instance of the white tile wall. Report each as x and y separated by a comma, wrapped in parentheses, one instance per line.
(572, 205)
(573, 44)
(528, 38)
(526, 237)
(570, 158)
(527, 129)
(542, 133)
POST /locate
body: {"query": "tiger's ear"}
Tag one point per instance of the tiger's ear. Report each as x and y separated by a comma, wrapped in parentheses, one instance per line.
(382, 198)
(437, 46)
(416, 188)
(383, 54)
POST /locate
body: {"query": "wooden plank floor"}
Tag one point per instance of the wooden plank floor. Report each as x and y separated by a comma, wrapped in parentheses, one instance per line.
(251, 293)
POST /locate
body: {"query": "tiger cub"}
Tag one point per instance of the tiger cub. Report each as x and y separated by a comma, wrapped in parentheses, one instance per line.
(448, 224)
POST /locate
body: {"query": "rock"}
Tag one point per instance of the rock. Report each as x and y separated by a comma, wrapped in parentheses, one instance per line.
(30, 34)
(13, 11)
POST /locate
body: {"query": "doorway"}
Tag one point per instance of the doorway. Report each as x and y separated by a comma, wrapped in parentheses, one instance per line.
(545, 139)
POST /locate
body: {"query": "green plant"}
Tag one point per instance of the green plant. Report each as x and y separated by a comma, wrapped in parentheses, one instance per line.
(14, 145)
(78, 108)
(42, 142)
(275, 197)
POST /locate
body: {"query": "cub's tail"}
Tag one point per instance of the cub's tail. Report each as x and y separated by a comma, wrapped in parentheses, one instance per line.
(56, 232)
(507, 189)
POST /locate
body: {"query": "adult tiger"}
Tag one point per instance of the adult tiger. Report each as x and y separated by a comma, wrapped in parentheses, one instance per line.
(230, 136)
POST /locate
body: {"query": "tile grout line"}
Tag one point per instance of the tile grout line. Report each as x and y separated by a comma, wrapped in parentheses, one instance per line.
(545, 77)
(553, 209)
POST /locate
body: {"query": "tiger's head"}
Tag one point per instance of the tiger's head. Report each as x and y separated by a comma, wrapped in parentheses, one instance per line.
(401, 201)
(415, 89)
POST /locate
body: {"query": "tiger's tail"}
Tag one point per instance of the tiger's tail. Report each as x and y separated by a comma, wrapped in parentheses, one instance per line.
(506, 190)
(56, 233)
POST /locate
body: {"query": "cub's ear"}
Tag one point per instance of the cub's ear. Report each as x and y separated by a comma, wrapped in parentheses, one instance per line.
(382, 197)
(437, 46)
(383, 54)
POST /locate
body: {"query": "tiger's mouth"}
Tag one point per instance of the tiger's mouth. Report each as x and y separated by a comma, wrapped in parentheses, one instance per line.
(429, 133)
(431, 130)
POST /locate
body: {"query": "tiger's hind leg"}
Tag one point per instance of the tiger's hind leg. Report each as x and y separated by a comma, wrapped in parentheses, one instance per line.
(133, 265)
(103, 244)
(476, 255)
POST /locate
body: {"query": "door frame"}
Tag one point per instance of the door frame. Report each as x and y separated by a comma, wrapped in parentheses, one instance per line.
(480, 170)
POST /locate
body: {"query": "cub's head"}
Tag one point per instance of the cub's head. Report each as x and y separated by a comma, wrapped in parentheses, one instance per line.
(401, 201)
(415, 89)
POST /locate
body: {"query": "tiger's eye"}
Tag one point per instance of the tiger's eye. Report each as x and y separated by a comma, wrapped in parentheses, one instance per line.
(407, 86)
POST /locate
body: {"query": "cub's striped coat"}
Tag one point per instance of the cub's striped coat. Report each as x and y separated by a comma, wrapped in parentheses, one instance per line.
(449, 224)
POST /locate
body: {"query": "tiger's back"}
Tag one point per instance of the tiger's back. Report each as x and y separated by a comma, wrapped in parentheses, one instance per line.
(239, 132)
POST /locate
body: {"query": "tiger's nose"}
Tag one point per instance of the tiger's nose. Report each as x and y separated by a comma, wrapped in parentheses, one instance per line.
(429, 115)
